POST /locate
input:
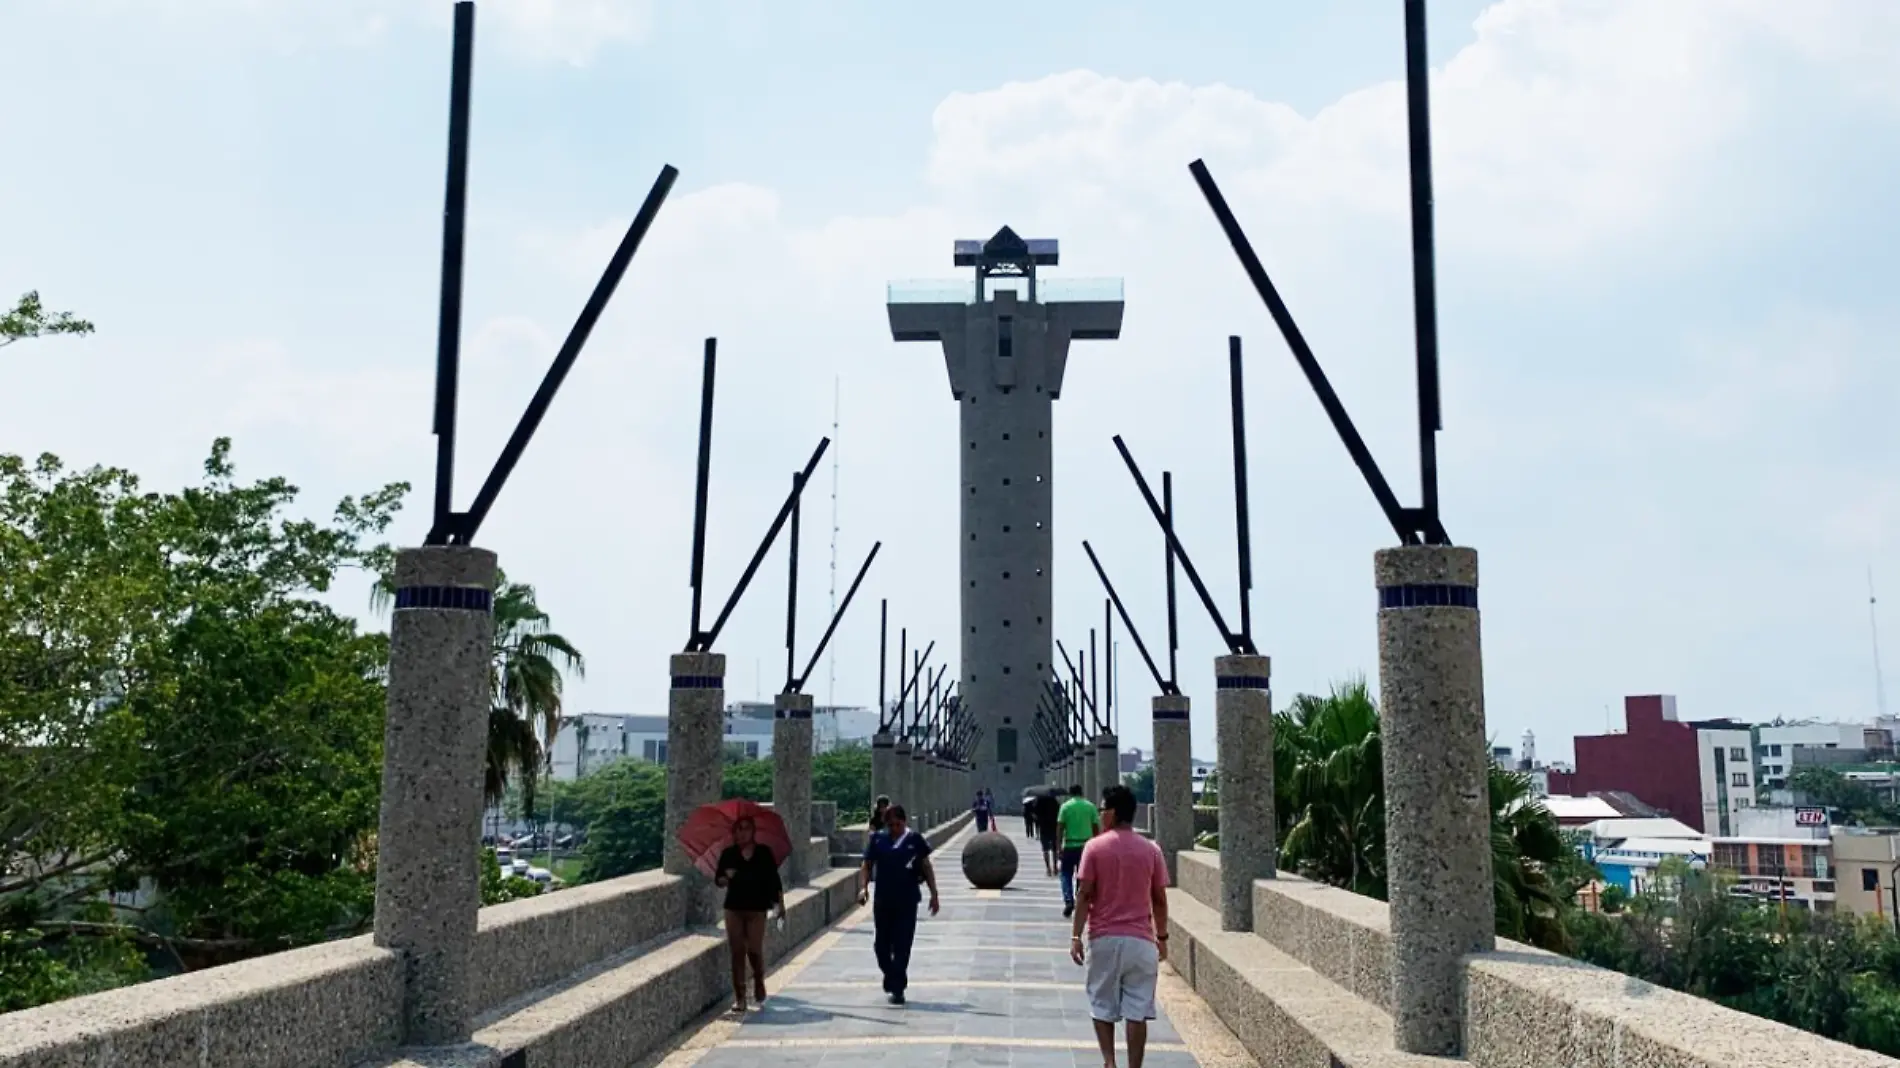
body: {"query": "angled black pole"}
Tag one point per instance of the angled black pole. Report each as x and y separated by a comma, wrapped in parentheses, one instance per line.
(825, 639)
(1095, 684)
(910, 686)
(883, 655)
(577, 335)
(903, 653)
(1241, 525)
(765, 546)
(1108, 648)
(1167, 548)
(1238, 643)
(1303, 353)
(791, 589)
(703, 484)
(1431, 417)
(448, 344)
(1166, 686)
(1075, 677)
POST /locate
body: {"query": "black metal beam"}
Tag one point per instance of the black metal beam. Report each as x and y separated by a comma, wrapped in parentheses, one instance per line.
(1403, 521)
(765, 546)
(448, 344)
(471, 522)
(1431, 418)
(1237, 643)
(883, 653)
(791, 587)
(1241, 524)
(703, 485)
(1166, 685)
(1167, 548)
(825, 639)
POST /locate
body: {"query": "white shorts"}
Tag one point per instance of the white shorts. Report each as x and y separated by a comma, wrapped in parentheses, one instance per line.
(1122, 972)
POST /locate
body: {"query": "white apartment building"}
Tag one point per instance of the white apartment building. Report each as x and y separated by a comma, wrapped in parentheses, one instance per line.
(1726, 757)
(593, 739)
(1775, 746)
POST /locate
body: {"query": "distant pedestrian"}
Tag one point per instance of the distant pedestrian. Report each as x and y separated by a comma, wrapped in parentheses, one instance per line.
(1029, 815)
(749, 875)
(1048, 830)
(1079, 821)
(1123, 905)
(981, 807)
(877, 813)
(897, 859)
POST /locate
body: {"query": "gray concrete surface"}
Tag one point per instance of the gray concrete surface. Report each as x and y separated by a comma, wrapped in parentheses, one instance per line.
(791, 776)
(1243, 725)
(1172, 815)
(695, 761)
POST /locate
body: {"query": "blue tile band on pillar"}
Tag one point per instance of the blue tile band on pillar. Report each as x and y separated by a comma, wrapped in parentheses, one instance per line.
(454, 598)
(1436, 596)
(1239, 682)
(699, 682)
(1175, 715)
(791, 713)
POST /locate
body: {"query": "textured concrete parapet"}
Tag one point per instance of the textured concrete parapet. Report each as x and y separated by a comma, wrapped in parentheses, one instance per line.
(318, 1006)
(1172, 815)
(529, 943)
(1525, 1008)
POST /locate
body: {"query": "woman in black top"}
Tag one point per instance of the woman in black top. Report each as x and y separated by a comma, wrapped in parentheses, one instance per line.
(877, 813)
(750, 878)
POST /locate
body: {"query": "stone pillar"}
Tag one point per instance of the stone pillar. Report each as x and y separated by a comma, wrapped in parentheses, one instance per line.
(883, 767)
(1087, 773)
(924, 785)
(791, 776)
(695, 752)
(1437, 804)
(902, 777)
(1243, 725)
(1172, 814)
(1108, 760)
(435, 737)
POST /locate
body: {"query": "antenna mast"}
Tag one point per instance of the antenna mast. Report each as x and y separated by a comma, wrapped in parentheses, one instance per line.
(1873, 627)
(831, 660)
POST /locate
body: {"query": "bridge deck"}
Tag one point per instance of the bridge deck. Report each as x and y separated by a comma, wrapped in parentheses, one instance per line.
(991, 986)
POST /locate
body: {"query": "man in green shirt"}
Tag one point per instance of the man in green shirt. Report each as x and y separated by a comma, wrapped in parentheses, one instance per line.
(1077, 821)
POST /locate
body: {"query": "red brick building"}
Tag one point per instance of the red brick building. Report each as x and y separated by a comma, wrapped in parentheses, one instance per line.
(1656, 758)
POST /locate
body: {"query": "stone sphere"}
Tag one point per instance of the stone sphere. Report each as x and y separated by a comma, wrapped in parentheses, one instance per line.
(989, 861)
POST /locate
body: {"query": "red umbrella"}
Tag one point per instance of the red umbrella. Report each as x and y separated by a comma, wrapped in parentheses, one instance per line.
(708, 831)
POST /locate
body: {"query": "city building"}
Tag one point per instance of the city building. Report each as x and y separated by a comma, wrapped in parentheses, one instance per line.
(1631, 863)
(831, 725)
(1578, 811)
(1867, 871)
(1795, 872)
(1777, 743)
(1699, 771)
(589, 741)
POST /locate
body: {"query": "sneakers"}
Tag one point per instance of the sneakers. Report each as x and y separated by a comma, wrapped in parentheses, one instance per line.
(897, 997)
(1068, 909)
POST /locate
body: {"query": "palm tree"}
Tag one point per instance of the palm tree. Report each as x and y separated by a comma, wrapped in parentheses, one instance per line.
(525, 679)
(1528, 854)
(1330, 790)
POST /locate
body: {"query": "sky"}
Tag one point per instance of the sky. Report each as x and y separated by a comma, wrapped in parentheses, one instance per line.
(1667, 261)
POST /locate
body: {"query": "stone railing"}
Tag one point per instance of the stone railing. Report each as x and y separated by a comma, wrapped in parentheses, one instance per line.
(1312, 985)
(596, 974)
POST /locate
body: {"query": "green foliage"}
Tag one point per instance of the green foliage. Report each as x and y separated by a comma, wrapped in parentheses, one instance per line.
(176, 709)
(749, 779)
(35, 970)
(30, 319)
(1833, 974)
(498, 888)
(1329, 788)
(844, 776)
(1142, 782)
(1851, 802)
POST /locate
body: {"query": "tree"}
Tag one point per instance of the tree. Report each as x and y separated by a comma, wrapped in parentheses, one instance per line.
(1142, 782)
(1529, 860)
(1852, 802)
(30, 319)
(843, 776)
(749, 779)
(177, 712)
(526, 679)
(1329, 787)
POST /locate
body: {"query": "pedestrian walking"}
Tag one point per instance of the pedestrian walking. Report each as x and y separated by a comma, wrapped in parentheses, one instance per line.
(898, 860)
(1029, 814)
(981, 807)
(1123, 906)
(749, 875)
(1048, 830)
(1078, 821)
(877, 813)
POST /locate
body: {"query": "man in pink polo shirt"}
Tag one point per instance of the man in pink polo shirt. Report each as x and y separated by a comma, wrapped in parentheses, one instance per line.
(1122, 901)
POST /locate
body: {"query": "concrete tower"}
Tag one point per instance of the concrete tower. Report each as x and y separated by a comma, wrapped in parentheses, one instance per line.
(1005, 340)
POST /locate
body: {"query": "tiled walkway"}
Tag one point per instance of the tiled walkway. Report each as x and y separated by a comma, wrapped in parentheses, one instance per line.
(991, 986)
